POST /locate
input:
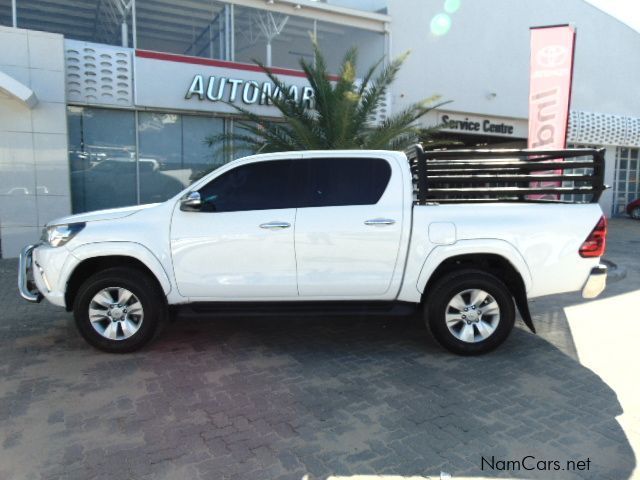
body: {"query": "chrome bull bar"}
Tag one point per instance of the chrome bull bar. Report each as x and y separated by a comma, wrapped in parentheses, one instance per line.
(24, 267)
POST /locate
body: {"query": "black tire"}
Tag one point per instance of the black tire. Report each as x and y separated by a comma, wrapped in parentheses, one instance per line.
(451, 285)
(147, 291)
(635, 213)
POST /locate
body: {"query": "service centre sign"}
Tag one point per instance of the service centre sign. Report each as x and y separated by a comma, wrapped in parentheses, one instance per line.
(480, 124)
(190, 83)
(486, 126)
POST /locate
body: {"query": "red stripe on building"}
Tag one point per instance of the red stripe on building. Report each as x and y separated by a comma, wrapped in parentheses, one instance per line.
(172, 57)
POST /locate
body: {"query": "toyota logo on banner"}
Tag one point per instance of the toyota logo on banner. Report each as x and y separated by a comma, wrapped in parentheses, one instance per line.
(551, 64)
(552, 56)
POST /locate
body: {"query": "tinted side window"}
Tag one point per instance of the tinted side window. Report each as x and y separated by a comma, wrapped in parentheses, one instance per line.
(344, 181)
(255, 186)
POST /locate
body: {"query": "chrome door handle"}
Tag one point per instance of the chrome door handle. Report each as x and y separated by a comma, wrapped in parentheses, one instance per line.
(380, 221)
(275, 225)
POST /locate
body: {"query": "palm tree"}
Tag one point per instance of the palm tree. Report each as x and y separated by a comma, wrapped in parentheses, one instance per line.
(342, 116)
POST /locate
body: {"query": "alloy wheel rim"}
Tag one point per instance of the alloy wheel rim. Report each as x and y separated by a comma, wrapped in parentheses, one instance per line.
(635, 213)
(472, 315)
(115, 313)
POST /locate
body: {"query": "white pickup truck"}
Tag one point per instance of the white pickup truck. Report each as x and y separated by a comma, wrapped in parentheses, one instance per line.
(456, 234)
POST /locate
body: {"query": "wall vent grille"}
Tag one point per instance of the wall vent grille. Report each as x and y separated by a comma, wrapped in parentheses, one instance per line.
(98, 74)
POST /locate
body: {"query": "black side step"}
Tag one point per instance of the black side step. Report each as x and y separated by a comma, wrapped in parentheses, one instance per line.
(315, 308)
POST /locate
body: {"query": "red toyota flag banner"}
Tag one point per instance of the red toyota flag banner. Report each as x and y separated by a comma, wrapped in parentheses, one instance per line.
(551, 72)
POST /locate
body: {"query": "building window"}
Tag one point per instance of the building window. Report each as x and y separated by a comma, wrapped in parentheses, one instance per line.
(280, 40)
(274, 39)
(200, 28)
(335, 40)
(106, 21)
(6, 16)
(174, 152)
(626, 184)
(196, 28)
(107, 173)
(102, 150)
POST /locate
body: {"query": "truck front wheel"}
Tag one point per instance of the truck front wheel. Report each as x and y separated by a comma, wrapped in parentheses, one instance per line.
(119, 310)
(470, 312)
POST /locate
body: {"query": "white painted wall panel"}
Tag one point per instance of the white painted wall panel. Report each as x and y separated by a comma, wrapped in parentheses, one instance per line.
(34, 166)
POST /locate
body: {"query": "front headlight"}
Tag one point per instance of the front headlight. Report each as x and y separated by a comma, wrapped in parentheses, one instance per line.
(58, 235)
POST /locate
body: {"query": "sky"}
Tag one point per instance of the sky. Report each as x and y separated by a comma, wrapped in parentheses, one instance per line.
(627, 11)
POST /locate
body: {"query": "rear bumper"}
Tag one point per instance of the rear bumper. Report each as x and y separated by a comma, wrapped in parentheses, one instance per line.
(596, 282)
(26, 285)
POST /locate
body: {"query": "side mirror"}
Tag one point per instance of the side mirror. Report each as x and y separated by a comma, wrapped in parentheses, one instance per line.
(191, 202)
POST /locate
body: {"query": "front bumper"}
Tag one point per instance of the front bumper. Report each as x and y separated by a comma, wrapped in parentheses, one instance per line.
(596, 282)
(26, 285)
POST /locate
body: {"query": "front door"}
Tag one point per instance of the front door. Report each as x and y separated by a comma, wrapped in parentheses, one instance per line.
(240, 244)
(348, 228)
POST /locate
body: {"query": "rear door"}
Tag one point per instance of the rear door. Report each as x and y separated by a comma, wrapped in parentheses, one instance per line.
(348, 226)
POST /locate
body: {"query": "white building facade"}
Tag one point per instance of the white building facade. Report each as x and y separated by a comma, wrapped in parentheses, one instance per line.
(107, 103)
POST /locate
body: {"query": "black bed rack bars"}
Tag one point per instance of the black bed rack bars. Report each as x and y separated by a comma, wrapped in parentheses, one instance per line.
(450, 176)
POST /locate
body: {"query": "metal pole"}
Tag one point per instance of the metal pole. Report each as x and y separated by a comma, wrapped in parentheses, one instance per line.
(124, 30)
(269, 53)
(210, 40)
(137, 158)
(134, 26)
(222, 22)
(227, 29)
(14, 13)
(232, 30)
(231, 150)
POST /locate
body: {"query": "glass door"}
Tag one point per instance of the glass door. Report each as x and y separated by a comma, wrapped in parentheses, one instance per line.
(626, 185)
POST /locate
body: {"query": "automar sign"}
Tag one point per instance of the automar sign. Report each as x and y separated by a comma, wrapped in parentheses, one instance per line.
(189, 83)
(248, 92)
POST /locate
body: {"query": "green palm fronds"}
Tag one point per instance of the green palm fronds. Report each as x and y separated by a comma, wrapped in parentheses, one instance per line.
(343, 114)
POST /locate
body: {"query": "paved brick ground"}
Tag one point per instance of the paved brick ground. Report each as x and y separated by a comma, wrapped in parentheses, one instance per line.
(253, 399)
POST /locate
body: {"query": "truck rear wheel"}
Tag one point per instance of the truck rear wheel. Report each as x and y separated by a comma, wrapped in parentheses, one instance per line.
(470, 312)
(119, 310)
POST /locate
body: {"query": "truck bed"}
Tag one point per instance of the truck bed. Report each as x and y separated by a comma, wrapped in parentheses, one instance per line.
(541, 239)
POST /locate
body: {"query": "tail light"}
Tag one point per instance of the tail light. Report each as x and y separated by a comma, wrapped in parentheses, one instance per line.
(596, 242)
